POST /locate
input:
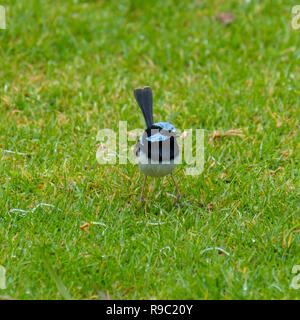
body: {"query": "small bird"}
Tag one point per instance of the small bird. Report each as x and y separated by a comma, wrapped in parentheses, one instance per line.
(157, 150)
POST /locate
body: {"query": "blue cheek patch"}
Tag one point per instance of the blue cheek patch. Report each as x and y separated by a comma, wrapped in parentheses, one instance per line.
(157, 137)
(154, 138)
(165, 125)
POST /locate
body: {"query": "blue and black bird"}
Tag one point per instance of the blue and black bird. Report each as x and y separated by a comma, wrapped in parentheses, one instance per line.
(157, 150)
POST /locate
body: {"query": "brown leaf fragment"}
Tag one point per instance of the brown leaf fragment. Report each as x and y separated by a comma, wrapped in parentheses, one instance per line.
(287, 153)
(273, 172)
(232, 132)
(85, 227)
(209, 206)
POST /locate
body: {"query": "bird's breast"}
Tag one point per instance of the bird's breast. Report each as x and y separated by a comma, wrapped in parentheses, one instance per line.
(156, 168)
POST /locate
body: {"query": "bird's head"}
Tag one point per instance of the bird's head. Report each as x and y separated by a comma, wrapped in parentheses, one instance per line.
(161, 131)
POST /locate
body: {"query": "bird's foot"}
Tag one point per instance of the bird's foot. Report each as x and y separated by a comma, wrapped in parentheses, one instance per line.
(178, 192)
(141, 197)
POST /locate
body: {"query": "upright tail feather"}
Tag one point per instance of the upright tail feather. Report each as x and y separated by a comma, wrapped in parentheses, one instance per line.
(144, 99)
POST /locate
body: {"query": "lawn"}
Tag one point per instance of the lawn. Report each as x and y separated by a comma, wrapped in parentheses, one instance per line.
(72, 228)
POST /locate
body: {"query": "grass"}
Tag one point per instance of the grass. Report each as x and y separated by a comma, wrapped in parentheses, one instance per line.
(68, 69)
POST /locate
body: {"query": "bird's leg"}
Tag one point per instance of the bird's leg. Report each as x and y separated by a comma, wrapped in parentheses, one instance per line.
(141, 197)
(178, 192)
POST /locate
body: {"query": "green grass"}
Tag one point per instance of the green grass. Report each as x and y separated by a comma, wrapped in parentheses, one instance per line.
(68, 69)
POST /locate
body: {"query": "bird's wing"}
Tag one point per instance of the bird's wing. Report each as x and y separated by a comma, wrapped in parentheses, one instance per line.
(136, 148)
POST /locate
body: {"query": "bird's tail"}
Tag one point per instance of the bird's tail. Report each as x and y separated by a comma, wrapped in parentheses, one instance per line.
(144, 99)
